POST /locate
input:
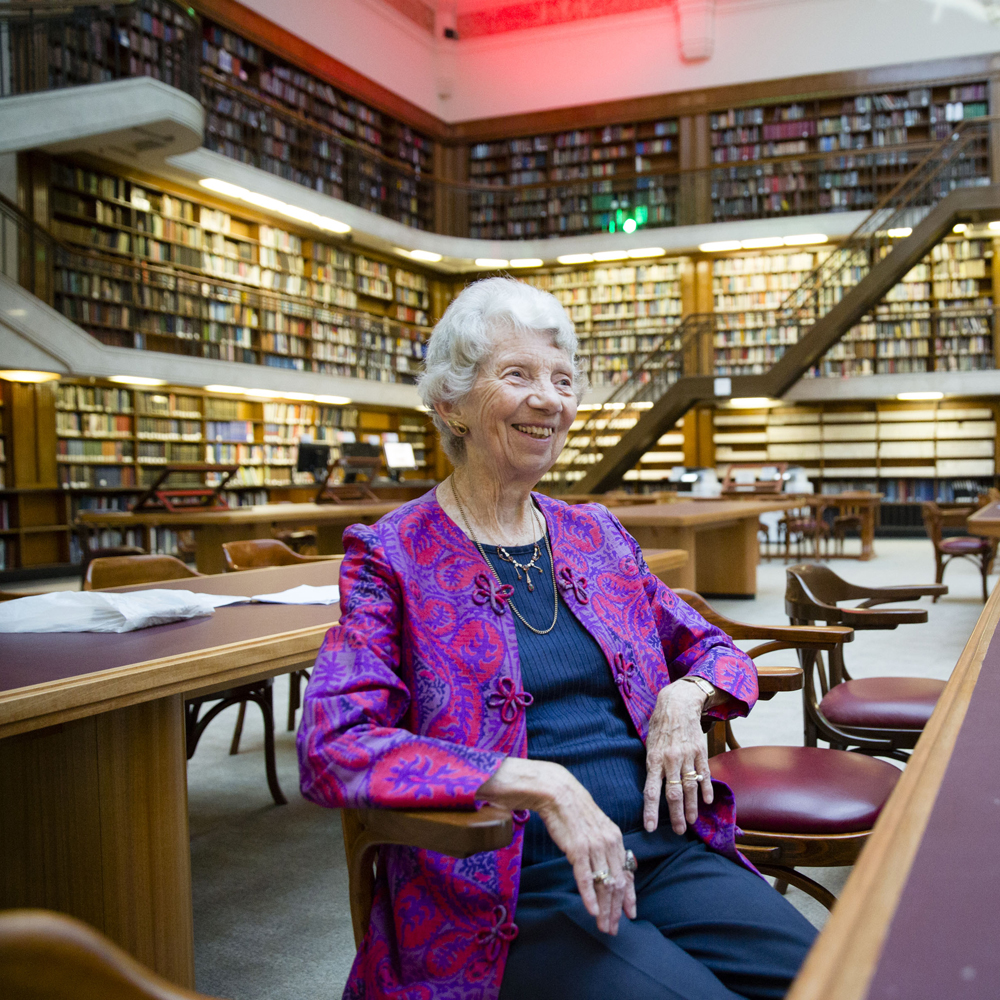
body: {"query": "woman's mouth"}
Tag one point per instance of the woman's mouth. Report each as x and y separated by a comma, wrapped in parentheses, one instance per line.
(534, 430)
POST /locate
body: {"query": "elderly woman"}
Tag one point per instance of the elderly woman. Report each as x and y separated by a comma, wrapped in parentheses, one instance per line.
(500, 646)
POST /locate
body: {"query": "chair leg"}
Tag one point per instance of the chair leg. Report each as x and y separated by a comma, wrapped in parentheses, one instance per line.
(265, 701)
(234, 746)
(985, 567)
(781, 886)
(809, 886)
(938, 572)
(293, 698)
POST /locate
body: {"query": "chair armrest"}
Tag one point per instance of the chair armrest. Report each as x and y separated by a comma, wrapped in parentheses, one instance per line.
(890, 618)
(772, 679)
(815, 636)
(909, 592)
(320, 558)
(459, 834)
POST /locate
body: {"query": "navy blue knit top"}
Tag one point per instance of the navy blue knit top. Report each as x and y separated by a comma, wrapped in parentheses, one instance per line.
(578, 718)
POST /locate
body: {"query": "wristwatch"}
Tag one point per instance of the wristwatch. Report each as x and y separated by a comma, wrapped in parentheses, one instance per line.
(705, 686)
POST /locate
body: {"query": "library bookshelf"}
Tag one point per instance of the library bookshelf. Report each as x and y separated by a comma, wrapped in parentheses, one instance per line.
(267, 112)
(109, 440)
(159, 268)
(576, 181)
(943, 450)
(621, 311)
(832, 154)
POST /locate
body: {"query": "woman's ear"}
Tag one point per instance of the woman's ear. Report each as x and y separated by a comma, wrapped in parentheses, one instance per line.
(448, 412)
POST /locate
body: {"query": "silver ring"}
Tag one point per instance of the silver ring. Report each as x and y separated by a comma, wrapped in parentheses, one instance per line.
(630, 863)
(603, 877)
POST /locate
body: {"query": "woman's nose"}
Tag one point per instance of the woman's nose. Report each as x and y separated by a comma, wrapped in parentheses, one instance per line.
(545, 397)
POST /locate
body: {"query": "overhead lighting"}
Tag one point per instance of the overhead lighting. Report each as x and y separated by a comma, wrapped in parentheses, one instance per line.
(527, 262)
(614, 406)
(644, 405)
(274, 205)
(576, 258)
(426, 255)
(18, 375)
(762, 243)
(647, 252)
(491, 262)
(959, 227)
(899, 234)
(611, 255)
(588, 407)
(136, 380)
(333, 400)
(752, 402)
(232, 390)
(994, 226)
(919, 395)
(797, 241)
(719, 246)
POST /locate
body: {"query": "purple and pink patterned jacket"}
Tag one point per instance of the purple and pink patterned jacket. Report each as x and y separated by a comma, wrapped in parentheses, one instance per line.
(416, 699)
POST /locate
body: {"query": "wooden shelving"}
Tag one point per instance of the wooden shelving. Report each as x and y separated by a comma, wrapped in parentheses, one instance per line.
(940, 317)
(909, 452)
(622, 311)
(272, 115)
(178, 274)
(580, 181)
(768, 163)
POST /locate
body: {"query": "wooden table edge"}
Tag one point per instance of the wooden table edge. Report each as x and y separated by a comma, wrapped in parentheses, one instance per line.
(662, 560)
(644, 517)
(34, 707)
(841, 964)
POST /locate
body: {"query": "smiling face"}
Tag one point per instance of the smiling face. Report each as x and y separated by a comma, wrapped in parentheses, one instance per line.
(520, 408)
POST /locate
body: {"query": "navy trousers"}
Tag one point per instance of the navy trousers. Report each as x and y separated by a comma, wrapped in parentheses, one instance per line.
(706, 929)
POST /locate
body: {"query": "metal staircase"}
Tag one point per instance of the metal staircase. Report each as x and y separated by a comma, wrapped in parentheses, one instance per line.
(908, 221)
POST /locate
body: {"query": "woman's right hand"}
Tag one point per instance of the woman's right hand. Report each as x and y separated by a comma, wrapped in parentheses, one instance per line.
(591, 842)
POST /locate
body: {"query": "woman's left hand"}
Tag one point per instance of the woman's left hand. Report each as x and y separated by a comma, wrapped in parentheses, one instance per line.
(676, 751)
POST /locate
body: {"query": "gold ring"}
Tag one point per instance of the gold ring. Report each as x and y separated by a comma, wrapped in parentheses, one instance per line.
(674, 781)
(604, 877)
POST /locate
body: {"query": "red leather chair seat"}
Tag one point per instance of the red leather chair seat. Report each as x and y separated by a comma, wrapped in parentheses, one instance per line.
(964, 544)
(805, 789)
(882, 702)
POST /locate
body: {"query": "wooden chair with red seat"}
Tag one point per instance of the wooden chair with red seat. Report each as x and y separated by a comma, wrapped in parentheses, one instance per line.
(257, 553)
(981, 551)
(883, 716)
(795, 806)
(129, 571)
(49, 956)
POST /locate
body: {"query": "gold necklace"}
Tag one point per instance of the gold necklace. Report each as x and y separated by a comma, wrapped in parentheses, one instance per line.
(555, 592)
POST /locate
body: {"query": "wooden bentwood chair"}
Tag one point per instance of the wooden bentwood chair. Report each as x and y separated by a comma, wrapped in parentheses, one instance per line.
(127, 571)
(259, 553)
(883, 716)
(981, 551)
(49, 956)
(796, 806)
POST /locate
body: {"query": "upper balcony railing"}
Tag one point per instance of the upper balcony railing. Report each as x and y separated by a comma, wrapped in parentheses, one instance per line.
(277, 118)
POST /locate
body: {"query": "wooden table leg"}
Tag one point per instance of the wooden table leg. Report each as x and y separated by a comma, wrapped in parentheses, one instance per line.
(726, 560)
(94, 823)
(867, 512)
(330, 534)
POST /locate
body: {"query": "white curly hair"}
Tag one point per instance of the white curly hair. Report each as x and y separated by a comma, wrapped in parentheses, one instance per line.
(464, 337)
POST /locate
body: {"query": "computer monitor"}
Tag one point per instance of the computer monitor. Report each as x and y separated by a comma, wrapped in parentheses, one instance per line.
(313, 458)
(399, 455)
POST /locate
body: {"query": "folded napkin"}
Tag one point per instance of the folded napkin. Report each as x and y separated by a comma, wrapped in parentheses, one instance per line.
(90, 611)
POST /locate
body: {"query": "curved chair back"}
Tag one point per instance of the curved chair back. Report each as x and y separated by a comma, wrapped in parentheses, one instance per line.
(49, 956)
(256, 553)
(127, 571)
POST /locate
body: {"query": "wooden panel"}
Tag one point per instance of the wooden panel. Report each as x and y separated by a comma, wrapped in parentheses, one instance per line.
(94, 824)
(33, 439)
(726, 561)
(48, 780)
(43, 548)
